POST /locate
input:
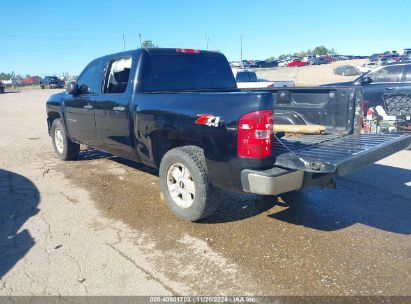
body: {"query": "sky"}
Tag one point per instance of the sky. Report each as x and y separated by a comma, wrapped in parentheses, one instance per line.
(49, 38)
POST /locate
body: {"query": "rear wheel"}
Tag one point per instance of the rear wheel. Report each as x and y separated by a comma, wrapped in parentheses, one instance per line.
(185, 184)
(65, 149)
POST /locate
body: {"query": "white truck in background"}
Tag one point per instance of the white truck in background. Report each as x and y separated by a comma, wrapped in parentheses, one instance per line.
(247, 79)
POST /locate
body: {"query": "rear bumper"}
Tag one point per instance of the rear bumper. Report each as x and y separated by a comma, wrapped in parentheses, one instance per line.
(272, 181)
(329, 159)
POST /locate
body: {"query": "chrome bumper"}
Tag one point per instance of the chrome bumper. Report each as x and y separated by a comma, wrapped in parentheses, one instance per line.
(272, 181)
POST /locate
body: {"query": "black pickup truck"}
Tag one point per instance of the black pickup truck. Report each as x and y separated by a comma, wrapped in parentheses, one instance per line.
(179, 110)
(52, 82)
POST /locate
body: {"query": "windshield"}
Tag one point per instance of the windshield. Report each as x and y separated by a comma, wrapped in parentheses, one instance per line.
(174, 71)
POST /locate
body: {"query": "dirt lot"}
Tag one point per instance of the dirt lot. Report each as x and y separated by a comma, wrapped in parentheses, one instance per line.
(310, 75)
(97, 226)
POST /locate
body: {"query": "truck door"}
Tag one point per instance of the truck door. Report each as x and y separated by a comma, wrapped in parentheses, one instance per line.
(112, 109)
(384, 80)
(79, 108)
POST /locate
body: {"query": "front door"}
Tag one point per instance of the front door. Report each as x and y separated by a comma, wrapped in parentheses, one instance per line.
(79, 108)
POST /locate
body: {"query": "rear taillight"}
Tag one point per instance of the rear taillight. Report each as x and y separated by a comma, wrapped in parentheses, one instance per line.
(187, 51)
(254, 134)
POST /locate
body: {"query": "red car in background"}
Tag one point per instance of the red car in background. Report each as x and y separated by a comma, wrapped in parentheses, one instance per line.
(297, 63)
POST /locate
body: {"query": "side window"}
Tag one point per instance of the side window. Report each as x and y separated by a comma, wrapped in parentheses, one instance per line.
(386, 74)
(407, 73)
(118, 73)
(89, 80)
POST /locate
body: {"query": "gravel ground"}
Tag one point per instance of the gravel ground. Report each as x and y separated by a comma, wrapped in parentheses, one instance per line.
(97, 226)
(310, 75)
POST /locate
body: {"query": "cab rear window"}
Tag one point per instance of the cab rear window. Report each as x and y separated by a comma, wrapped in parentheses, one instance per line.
(177, 71)
(246, 77)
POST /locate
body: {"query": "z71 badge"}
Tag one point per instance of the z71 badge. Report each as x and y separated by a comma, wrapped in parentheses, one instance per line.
(208, 120)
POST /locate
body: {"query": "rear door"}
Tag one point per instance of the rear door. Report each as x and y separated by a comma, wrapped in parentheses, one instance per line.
(79, 109)
(384, 80)
(112, 112)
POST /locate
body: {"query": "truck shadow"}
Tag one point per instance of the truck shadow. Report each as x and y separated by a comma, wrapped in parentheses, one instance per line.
(91, 154)
(11, 92)
(236, 207)
(377, 196)
(19, 201)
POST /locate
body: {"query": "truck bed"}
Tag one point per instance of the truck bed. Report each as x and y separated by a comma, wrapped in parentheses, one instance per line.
(342, 149)
(334, 153)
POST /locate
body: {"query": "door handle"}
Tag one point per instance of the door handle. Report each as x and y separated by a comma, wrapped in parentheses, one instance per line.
(119, 109)
(88, 107)
(390, 89)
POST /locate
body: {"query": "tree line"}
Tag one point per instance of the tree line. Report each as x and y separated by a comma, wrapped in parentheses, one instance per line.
(6, 76)
(318, 50)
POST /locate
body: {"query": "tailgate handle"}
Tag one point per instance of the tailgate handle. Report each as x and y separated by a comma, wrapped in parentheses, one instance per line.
(119, 109)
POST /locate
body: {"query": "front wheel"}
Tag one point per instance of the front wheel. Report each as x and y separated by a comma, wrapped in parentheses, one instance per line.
(65, 149)
(185, 184)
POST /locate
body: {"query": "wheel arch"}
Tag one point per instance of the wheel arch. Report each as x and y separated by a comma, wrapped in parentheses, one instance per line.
(164, 141)
(51, 116)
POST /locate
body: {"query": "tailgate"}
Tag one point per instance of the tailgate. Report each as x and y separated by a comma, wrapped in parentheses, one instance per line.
(340, 154)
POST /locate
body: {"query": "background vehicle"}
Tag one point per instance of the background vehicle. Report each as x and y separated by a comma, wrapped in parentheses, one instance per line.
(235, 64)
(328, 58)
(51, 82)
(309, 58)
(248, 79)
(266, 64)
(297, 63)
(186, 117)
(282, 63)
(367, 67)
(346, 70)
(406, 58)
(391, 58)
(318, 61)
(383, 79)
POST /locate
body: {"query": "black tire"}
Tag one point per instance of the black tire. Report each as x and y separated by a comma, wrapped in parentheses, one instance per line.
(205, 201)
(70, 150)
(42, 87)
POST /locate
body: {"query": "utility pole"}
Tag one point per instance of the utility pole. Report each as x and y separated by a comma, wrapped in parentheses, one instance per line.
(241, 45)
(207, 41)
(141, 43)
(124, 43)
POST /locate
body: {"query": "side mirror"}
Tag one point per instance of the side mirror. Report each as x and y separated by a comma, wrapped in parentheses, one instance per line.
(365, 80)
(72, 88)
